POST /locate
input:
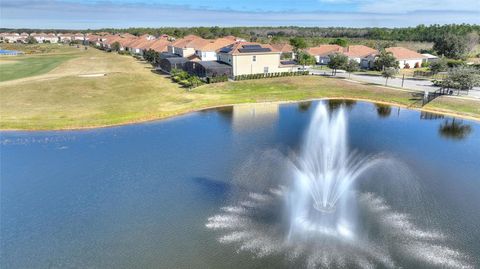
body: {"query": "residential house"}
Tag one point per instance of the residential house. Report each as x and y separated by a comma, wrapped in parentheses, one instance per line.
(407, 58)
(360, 54)
(66, 37)
(322, 52)
(186, 47)
(160, 45)
(10, 37)
(286, 50)
(253, 58)
(430, 58)
(79, 37)
(147, 37)
(208, 51)
(45, 38)
(138, 45)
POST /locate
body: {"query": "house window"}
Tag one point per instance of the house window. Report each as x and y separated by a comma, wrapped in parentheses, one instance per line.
(265, 69)
(254, 58)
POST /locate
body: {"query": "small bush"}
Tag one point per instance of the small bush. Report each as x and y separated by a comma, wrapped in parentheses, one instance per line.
(455, 63)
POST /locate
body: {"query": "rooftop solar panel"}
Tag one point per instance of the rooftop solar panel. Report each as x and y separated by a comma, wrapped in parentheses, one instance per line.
(225, 50)
(251, 46)
(249, 50)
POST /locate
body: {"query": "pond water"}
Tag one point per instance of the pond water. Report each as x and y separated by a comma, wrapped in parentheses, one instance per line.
(207, 190)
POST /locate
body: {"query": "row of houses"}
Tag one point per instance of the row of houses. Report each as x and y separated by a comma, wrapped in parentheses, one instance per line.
(366, 56)
(229, 55)
(42, 37)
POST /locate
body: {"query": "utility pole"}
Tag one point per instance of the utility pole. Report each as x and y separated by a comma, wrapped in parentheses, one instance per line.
(403, 79)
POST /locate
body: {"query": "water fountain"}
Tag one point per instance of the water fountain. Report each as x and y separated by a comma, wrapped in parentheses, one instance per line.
(323, 172)
(317, 218)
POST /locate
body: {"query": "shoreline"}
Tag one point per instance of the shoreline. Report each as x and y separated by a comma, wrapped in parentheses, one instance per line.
(139, 121)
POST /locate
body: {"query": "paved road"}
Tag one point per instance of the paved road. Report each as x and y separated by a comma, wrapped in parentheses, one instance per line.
(411, 84)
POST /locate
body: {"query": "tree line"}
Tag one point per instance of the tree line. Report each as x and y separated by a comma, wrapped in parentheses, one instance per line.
(423, 33)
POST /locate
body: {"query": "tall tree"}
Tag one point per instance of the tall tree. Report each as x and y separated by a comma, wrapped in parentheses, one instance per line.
(337, 61)
(340, 41)
(385, 60)
(305, 59)
(451, 46)
(351, 66)
(298, 44)
(439, 66)
(389, 72)
(462, 78)
(115, 46)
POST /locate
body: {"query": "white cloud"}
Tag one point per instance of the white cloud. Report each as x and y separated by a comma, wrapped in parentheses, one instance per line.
(68, 15)
(398, 6)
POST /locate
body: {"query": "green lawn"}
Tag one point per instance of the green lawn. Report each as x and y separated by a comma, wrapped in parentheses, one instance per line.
(130, 92)
(15, 67)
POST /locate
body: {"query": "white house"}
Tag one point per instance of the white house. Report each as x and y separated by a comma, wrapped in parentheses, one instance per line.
(187, 46)
(407, 58)
(208, 51)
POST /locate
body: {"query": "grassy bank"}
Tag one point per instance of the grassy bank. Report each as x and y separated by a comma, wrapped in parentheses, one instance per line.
(130, 92)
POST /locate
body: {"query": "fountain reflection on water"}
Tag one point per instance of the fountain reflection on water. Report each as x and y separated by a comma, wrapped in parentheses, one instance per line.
(317, 217)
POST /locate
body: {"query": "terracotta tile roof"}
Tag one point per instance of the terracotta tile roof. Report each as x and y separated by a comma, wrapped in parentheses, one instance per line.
(284, 47)
(110, 39)
(404, 53)
(324, 50)
(358, 51)
(190, 41)
(127, 35)
(214, 45)
(234, 49)
(160, 45)
(124, 41)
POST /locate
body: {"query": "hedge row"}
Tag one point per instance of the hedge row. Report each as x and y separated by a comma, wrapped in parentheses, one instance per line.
(271, 75)
(222, 78)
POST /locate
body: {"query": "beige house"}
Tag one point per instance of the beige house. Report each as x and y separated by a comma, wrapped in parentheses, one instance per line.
(253, 58)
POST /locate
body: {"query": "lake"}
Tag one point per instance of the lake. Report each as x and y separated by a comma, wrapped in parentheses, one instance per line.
(154, 195)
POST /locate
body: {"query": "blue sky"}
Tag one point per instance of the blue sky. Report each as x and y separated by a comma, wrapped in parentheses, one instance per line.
(75, 14)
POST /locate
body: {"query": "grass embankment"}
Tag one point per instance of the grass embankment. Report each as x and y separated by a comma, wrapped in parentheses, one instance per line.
(130, 92)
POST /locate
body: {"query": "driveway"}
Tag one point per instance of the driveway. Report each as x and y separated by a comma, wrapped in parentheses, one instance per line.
(411, 84)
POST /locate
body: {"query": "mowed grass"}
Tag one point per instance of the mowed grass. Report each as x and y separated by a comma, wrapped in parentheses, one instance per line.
(131, 92)
(15, 67)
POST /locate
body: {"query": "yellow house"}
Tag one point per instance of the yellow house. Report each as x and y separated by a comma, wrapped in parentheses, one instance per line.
(253, 58)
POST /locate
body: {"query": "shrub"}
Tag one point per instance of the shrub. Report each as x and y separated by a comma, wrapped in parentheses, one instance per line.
(406, 66)
(455, 63)
(417, 65)
(425, 64)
